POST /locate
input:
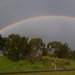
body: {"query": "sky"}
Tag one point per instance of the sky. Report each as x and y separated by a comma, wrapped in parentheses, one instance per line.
(49, 29)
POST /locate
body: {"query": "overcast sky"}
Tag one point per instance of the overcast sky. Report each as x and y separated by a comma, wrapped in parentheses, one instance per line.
(49, 29)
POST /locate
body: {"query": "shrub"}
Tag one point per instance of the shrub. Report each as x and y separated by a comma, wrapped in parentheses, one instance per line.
(47, 58)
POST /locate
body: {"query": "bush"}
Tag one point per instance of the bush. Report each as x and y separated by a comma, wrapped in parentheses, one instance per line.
(66, 63)
(47, 58)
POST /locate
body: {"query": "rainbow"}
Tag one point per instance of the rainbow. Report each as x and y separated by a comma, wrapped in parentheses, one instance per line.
(35, 18)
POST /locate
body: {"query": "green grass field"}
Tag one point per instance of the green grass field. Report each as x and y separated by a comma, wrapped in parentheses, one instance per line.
(7, 65)
(49, 73)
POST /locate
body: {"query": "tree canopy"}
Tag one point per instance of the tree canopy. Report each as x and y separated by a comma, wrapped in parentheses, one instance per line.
(18, 47)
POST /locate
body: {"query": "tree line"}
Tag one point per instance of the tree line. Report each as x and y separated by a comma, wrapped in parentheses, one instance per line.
(18, 47)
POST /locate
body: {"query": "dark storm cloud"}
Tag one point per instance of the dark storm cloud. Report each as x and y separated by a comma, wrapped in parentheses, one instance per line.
(12, 11)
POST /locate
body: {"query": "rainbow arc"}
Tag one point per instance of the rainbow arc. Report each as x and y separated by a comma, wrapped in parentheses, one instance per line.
(35, 18)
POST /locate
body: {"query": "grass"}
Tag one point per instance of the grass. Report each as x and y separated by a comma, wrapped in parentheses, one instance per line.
(49, 73)
(7, 65)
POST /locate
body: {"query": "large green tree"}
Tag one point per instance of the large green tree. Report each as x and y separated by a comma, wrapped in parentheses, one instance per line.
(54, 47)
(35, 44)
(58, 49)
(73, 54)
(16, 46)
(64, 51)
(1, 42)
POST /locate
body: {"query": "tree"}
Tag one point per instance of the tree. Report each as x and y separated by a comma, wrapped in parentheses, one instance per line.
(58, 49)
(16, 46)
(1, 42)
(45, 51)
(54, 47)
(4, 46)
(35, 44)
(64, 51)
(73, 54)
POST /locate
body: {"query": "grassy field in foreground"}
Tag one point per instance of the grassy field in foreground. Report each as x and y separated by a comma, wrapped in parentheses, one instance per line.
(7, 65)
(49, 73)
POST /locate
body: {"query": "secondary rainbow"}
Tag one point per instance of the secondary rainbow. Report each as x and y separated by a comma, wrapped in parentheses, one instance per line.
(35, 18)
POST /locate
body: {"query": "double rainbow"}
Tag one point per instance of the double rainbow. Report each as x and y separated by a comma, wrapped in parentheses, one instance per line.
(35, 18)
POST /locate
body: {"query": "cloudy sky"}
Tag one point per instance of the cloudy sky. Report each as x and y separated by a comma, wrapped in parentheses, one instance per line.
(49, 29)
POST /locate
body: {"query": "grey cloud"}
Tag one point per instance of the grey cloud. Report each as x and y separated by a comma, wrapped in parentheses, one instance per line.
(12, 11)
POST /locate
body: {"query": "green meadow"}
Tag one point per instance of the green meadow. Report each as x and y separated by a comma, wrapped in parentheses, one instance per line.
(7, 65)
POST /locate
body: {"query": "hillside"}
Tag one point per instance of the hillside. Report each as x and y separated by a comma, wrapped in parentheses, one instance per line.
(7, 65)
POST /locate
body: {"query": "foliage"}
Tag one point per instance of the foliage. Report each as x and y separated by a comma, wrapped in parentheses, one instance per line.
(73, 54)
(58, 49)
(45, 57)
(45, 51)
(35, 44)
(16, 46)
(2, 42)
